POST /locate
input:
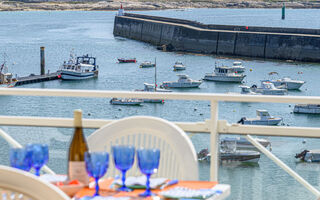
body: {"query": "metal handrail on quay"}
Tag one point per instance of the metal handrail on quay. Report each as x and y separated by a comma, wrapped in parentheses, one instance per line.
(212, 126)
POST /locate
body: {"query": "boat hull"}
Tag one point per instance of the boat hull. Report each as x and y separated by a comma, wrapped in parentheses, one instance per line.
(126, 103)
(289, 85)
(127, 61)
(181, 85)
(307, 109)
(235, 79)
(269, 122)
(71, 75)
(147, 66)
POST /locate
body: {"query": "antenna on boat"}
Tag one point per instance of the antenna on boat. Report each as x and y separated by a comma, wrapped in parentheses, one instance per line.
(155, 73)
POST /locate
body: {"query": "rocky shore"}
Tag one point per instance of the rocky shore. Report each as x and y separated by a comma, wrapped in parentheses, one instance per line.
(149, 5)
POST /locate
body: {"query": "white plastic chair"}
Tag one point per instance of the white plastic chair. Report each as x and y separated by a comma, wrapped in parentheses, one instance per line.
(178, 159)
(17, 184)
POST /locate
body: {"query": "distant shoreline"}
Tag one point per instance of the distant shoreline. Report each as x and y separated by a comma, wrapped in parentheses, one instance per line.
(150, 5)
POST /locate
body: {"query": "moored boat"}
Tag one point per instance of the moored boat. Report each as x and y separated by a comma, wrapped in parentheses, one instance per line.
(266, 88)
(309, 155)
(307, 108)
(183, 82)
(244, 144)
(147, 64)
(151, 88)
(287, 83)
(127, 102)
(263, 118)
(224, 74)
(245, 156)
(83, 67)
(178, 66)
(127, 60)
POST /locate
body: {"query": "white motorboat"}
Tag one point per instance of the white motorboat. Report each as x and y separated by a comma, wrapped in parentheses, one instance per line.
(244, 144)
(307, 108)
(266, 88)
(245, 156)
(287, 83)
(309, 155)
(183, 82)
(263, 118)
(127, 102)
(224, 74)
(147, 64)
(238, 67)
(178, 66)
(83, 67)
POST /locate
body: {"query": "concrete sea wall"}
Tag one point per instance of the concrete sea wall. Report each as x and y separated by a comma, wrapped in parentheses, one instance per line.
(189, 36)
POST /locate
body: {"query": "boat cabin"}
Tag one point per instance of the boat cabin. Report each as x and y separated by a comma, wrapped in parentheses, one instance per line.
(86, 59)
(237, 64)
(268, 85)
(223, 70)
(263, 114)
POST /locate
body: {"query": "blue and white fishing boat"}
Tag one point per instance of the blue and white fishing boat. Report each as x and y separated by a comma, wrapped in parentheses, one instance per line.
(178, 66)
(263, 118)
(83, 67)
(285, 82)
(126, 102)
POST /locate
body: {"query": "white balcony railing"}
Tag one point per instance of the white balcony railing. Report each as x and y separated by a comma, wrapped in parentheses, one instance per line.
(213, 126)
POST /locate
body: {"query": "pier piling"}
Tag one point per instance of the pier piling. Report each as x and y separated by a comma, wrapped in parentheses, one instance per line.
(42, 61)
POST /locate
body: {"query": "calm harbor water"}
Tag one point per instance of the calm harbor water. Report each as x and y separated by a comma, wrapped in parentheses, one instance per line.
(22, 33)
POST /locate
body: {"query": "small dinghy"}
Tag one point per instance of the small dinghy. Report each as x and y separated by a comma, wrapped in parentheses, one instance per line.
(309, 155)
(127, 102)
(263, 118)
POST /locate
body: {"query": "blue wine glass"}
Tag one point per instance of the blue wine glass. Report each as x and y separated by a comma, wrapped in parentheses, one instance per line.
(40, 156)
(148, 161)
(97, 164)
(21, 158)
(123, 157)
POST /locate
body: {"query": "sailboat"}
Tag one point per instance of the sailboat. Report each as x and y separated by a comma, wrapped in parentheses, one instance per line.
(153, 88)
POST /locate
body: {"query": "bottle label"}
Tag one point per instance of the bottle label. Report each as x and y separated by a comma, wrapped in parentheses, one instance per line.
(77, 171)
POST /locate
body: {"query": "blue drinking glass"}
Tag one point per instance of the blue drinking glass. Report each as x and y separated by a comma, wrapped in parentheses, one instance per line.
(21, 158)
(123, 157)
(97, 164)
(148, 161)
(40, 156)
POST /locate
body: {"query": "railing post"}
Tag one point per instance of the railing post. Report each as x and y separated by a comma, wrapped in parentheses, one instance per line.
(214, 141)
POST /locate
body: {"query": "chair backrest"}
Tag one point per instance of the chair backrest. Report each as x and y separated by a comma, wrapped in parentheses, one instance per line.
(18, 184)
(178, 159)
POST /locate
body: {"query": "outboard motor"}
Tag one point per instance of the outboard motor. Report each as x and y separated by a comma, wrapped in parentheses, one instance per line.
(302, 154)
(241, 121)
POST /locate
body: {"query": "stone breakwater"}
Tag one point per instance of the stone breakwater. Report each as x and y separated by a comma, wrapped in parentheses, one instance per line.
(190, 36)
(146, 5)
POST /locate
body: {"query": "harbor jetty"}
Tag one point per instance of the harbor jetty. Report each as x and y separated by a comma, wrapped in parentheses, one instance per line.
(190, 36)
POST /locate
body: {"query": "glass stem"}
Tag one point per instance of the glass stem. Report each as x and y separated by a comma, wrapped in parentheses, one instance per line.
(124, 178)
(148, 184)
(37, 171)
(97, 187)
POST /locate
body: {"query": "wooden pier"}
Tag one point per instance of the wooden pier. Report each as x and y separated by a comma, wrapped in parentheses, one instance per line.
(37, 78)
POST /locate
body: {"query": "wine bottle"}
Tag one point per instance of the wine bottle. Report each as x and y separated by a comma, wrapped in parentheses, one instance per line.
(78, 146)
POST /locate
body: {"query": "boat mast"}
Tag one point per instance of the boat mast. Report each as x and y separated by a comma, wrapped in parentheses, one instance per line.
(155, 74)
